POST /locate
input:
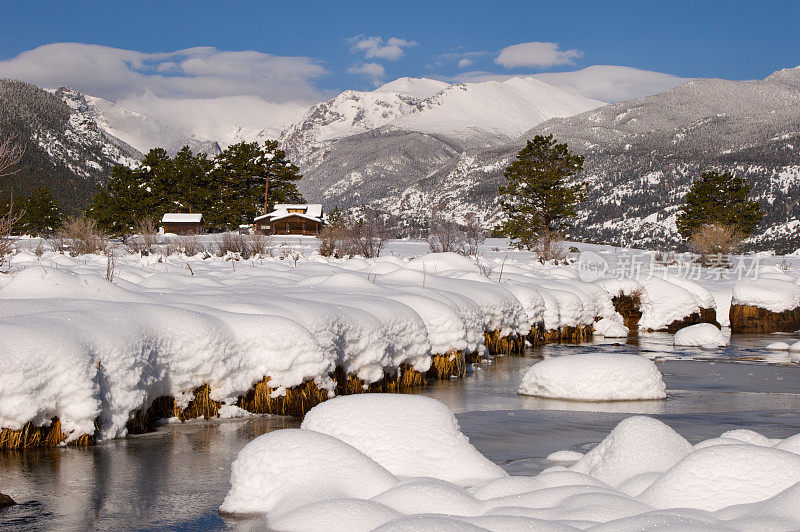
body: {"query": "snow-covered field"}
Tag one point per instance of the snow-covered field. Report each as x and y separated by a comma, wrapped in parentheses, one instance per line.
(405, 465)
(91, 342)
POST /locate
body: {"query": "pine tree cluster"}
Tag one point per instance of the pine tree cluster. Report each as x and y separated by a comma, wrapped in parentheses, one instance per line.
(227, 189)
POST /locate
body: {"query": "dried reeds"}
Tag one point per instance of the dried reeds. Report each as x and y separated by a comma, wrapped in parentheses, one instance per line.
(298, 400)
(504, 345)
(630, 307)
(451, 364)
(31, 437)
(749, 318)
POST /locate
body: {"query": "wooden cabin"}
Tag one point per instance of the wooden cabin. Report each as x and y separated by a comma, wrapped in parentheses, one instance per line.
(181, 223)
(292, 219)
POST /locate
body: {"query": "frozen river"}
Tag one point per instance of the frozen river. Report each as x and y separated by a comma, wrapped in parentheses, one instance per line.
(177, 478)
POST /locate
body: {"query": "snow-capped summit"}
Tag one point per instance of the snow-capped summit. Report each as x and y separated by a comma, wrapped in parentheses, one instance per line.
(421, 88)
(505, 109)
(485, 111)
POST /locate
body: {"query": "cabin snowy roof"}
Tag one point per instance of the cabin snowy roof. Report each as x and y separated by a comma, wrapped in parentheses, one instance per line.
(182, 217)
(313, 211)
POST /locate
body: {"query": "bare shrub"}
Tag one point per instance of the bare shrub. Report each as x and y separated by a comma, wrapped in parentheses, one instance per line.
(445, 236)
(11, 153)
(328, 238)
(450, 236)
(7, 239)
(257, 244)
(111, 263)
(474, 233)
(715, 242)
(191, 245)
(40, 247)
(145, 238)
(349, 236)
(232, 243)
(80, 236)
(550, 246)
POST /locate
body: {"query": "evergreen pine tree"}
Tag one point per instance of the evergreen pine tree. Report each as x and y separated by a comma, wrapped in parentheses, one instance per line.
(41, 214)
(538, 196)
(719, 199)
(241, 172)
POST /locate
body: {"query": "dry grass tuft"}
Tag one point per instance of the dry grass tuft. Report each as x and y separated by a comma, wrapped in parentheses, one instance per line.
(536, 336)
(630, 307)
(30, 437)
(505, 345)
(452, 364)
(298, 400)
(202, 405)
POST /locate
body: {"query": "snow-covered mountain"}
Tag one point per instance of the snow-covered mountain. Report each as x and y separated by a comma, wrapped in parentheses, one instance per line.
(64, 148)
(641, 157)
(471, 113)
(360, 146)
(417, 144)
(142, 132)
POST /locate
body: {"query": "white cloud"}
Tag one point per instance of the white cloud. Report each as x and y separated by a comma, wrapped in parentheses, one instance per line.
(192, 89)
(373, 71)
(602, 82)
(374, 47)
(536, 55)
(463, 63)
(204, 72)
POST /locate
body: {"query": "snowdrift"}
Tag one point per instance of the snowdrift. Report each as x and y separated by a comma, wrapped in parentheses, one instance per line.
(642, 475)
(176, 336)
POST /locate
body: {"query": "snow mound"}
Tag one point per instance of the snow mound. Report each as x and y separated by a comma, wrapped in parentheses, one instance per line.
(610, 328)
(345, 515)
(565, 456)
(700, 335)
(409, 435)
(643, 475)
(286, 469)
(778, 346)
(770, 294)
(664, 302)
(595, 377)
(637, 445)
(724, 475)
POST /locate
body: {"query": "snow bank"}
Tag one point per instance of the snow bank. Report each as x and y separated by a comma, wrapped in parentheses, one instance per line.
(777, 346)
(700, 335)
(638, 445)
(724, 475)
(770, 294)
(289, 468)
(643, 475)
(663, 303)
(610, 328)
(411, 436)
(595, 377)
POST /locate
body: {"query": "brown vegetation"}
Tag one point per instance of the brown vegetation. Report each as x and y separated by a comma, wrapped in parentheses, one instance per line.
(748, 318)
(30, 437)
(630, 307)
(79, 235)
(297, 400)
(715, 243)
(452, 364)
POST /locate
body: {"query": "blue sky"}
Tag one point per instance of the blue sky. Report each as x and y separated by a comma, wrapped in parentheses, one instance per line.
(735, 40)
(196, 65)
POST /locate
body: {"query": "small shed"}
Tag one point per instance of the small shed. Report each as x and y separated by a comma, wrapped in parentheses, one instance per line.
(292, 219)
(182, 223)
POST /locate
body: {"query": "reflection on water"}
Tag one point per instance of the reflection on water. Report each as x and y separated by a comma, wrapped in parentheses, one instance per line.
(178, 477)
(174, 478)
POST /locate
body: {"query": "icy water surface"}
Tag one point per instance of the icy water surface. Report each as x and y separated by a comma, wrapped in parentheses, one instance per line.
(177, 478)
